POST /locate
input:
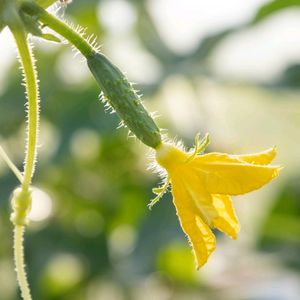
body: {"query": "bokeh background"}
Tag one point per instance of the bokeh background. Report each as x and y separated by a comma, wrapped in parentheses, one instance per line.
(230, 68)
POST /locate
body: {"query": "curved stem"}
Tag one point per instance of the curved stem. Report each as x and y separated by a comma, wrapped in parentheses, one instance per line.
(60, 27)
(27, 62)
(117, 90)
(19, 261)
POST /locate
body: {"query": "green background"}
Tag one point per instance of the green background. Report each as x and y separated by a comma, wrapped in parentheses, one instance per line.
(100, 241)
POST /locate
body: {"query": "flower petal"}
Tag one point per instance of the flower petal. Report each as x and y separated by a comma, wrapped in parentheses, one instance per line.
(226, 221)
(209, 240)
(200, 197)
(261, 158)
(201, 237)
(224, 174)
(215, 210)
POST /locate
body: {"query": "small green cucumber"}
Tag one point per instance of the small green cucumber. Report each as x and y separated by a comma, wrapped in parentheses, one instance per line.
(122, 97)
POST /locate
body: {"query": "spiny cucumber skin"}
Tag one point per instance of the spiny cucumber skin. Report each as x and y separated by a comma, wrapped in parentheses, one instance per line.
(124, 100)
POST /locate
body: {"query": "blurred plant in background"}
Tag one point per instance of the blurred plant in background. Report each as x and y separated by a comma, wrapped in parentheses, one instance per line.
(229, 68)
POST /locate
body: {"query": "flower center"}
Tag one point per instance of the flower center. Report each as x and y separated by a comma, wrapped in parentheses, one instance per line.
(168, 156)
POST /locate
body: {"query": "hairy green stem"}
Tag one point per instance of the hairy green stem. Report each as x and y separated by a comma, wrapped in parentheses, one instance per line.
(19, 261)
(58, 26)
(27, 62)
(117, 91)
(22, 196)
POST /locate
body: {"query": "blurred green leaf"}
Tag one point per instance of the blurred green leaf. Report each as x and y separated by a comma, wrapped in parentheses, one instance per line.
(45, 3)
(2, 3)
(281, 231)
(290, 77)
(273, 7)
(177, 261)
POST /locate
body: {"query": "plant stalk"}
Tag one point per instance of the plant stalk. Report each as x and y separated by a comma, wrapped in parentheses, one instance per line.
(27, 62)
(58, 26)
(117, 91)
(19, 261)
(22, 206)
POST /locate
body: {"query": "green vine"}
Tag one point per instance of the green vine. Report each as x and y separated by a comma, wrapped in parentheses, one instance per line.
(117, 91)
(59, 27)
(21, 199)
(27, 62)
(19, 262)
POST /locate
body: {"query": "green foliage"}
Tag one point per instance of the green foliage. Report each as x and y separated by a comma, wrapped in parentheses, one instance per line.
(2, 5)
(45, 3)
(281, 230)
(1, 26)
(273, 7)
(176, 261)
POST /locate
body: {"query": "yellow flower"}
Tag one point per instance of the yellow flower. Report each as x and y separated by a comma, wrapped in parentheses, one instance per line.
(202, 185)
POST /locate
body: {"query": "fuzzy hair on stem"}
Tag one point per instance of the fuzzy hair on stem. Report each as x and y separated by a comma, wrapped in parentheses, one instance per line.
(19, 261)
(117, 91)
(30, 82)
